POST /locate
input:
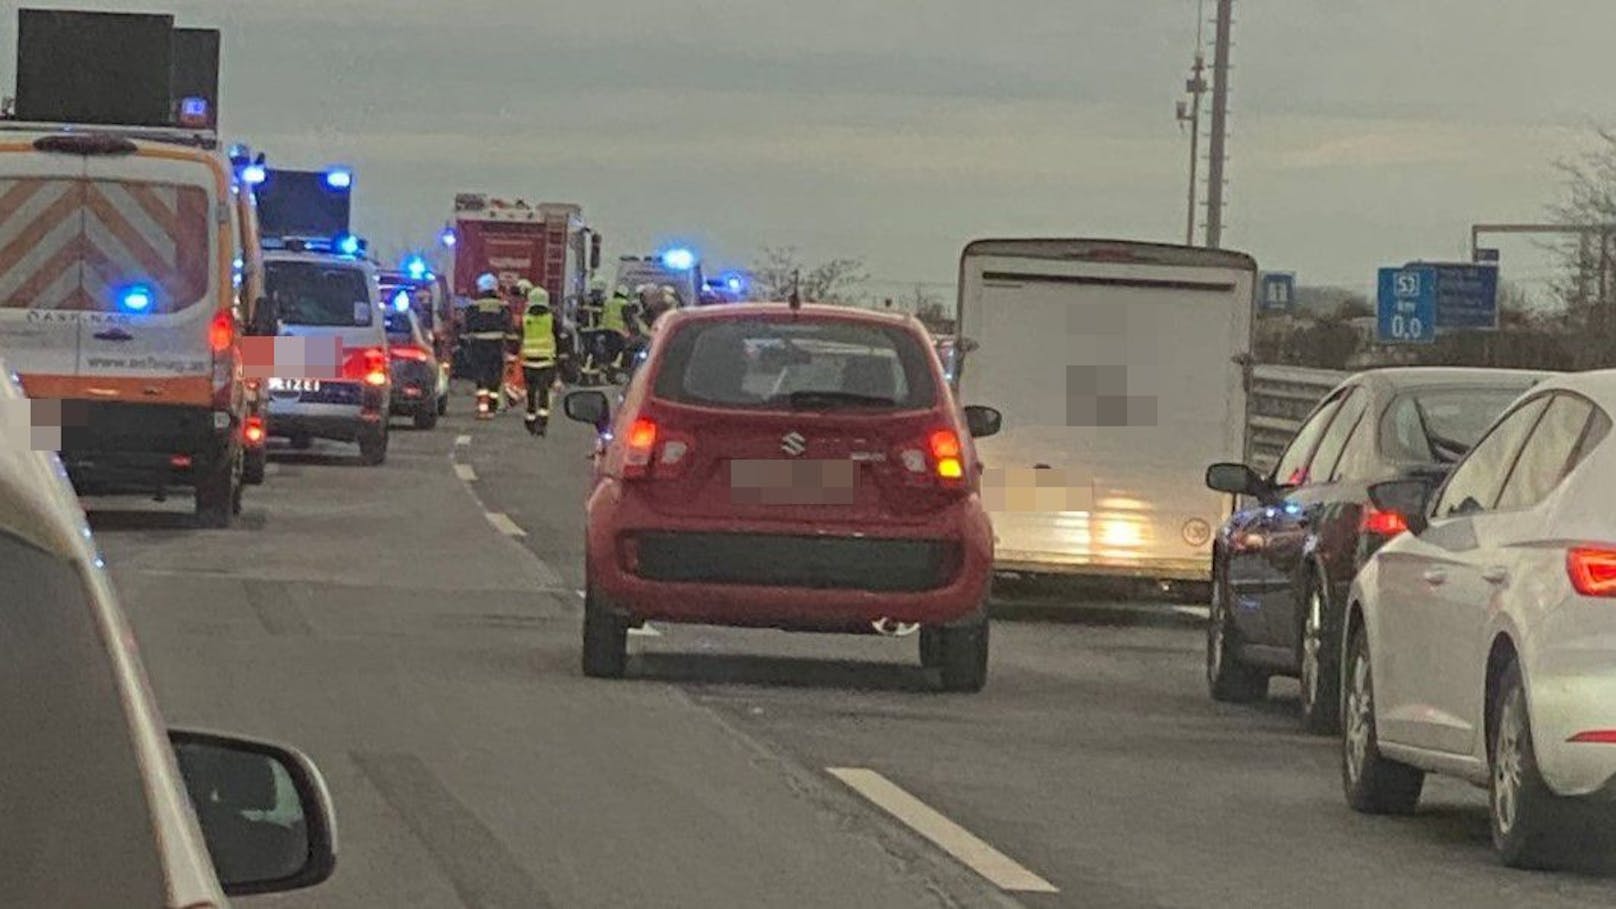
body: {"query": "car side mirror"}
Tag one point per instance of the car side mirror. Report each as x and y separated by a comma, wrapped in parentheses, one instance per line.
(983, 421)
(1238, 479)
(1411, 499)
(588, 407)
(264, 811)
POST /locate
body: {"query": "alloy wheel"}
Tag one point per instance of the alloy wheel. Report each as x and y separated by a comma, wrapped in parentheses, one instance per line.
(1360, 717)
(1507, 766)
(1312, 640)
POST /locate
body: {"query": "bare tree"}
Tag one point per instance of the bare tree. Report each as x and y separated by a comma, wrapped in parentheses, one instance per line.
(1587, 284)
(779, 270)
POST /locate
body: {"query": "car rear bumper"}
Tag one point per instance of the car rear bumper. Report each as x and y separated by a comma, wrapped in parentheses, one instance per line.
(1575, 693)
(148, 445)
(647, 567)
(336, 427)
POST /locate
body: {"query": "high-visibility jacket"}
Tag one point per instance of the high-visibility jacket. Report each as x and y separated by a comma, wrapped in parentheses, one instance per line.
(614, 319)
(488, 319)
(538, 337)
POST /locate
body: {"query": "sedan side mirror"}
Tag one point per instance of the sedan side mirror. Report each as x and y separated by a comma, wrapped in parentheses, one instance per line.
(1238, 479)
(264, 811)
(588, 407)
(1409, 499)
(983, 421)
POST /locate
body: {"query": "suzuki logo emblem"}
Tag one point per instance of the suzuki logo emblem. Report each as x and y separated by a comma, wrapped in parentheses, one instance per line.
(793, 444)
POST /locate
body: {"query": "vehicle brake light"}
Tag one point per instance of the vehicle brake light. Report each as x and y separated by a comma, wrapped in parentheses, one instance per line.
(222, 331)
(1381, 522)
(253, 432)
(375, 367)
(945, 452)
(1592, 571)
(640, 441)
(409, 353)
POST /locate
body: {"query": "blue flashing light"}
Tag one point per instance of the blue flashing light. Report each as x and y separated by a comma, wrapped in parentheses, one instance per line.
(136, 299)
(254, 174)
(447, 238)
(679, 259)
(339, 178)
(735, 284)
(348, 245)
(401, 301)
(416, 268)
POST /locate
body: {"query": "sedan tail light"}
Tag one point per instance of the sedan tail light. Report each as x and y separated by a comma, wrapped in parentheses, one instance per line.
(1592, 570)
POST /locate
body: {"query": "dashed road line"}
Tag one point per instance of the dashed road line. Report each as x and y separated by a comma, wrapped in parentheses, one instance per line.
(1001, 870)
(502, 522)
(462, 440)
(1199, 612)
(465, 472)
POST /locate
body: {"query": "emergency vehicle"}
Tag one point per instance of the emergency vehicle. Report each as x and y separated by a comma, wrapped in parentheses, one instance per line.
(678, 268)
(126, 269)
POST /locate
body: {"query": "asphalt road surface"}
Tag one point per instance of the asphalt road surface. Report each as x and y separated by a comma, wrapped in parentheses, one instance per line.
(414, 627)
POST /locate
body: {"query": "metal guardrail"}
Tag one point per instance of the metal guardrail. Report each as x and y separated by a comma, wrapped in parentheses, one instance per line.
(1279, 399)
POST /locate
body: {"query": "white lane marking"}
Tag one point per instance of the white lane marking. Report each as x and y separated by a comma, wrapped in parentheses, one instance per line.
(644, 631)
(464, 472)
(582, 594)
(462, 440)
(503, 523)
(1200, 612)
(1000, 869)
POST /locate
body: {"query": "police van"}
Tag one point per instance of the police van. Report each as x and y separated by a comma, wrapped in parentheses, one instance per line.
(120, 304)
(332, 376)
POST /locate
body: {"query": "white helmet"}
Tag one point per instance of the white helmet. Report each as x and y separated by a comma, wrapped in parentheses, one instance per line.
(487, 283)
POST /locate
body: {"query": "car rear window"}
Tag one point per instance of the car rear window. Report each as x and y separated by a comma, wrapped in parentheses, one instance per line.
(73, 244)
(1438, 426)
(798, 365)
(314, 294)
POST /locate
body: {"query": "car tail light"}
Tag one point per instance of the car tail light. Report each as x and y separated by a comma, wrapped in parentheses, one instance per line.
(945, 453)
(937, 459)
(639, 444)
(368, 365)
(222, 331)
(1592, 571)
(409, 353)
(180, 461)
(1383, 523)
(253, 432)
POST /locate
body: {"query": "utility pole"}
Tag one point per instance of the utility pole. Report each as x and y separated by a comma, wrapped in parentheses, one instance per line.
(1220, 124)
(1191, 113)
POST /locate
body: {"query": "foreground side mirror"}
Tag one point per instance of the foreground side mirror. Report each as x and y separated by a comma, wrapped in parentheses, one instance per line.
(1409, 499)
(588, 407)
(1237, 479)
(983, 421)
(264, 811)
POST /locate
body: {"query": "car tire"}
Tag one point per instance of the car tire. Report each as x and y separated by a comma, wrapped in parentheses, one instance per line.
(426, 417)
(253, 466)
(1320, 660)
(962, 654)
(217, 492)
(931, 651)
(373, 446)
(1523, 813)
(1227, 679)
(1373, 783)
(605, 643)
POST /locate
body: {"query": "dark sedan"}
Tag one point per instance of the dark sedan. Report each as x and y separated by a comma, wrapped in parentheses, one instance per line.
(420, 384)
(1281, 565)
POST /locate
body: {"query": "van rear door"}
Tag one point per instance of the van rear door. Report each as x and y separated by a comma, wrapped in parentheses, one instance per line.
(41, 225)
(1119, 370)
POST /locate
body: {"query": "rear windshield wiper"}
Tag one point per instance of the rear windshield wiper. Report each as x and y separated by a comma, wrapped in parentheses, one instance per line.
(829, 400)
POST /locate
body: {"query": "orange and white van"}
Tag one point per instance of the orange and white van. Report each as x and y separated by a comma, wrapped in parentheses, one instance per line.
(121, 304)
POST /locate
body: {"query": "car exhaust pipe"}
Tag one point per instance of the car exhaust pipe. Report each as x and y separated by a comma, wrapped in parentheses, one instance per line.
(887, 628)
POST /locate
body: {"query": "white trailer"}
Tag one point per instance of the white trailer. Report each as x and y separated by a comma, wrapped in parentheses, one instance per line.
(1121, 369)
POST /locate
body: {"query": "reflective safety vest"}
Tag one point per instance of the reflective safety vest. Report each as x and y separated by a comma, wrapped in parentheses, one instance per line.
(613, 318)
(489, 319)
(538, 338)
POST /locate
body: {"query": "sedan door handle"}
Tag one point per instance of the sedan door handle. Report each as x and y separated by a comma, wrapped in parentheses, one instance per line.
(1436, 576)
(1495, 574)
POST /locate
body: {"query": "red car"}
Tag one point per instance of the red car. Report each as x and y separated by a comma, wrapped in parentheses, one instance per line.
(800, 468)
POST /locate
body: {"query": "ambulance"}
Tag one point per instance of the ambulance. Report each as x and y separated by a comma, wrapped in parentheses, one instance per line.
(128, 264)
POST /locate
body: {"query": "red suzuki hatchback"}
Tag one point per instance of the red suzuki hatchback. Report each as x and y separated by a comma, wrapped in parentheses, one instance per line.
(804, 468)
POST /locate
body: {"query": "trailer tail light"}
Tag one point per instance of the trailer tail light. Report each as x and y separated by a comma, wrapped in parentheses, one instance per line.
(1382, 523)
(1592, 570)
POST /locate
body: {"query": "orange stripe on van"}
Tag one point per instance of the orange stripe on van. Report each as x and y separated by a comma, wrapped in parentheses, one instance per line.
(189, 390)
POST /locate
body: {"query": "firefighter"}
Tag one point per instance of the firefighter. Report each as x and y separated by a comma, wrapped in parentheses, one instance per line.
(488, 324)
(540, 342)
(614, 324)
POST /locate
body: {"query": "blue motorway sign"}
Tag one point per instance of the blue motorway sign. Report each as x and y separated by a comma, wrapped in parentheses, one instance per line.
(1406, 311)
(1466, 294)
(1276, 290)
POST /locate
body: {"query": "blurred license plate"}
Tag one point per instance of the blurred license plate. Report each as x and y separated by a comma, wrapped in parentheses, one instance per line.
(294, 384)
(779, 482)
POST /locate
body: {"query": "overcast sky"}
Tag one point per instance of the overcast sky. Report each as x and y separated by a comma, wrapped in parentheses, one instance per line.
(1364, 132)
